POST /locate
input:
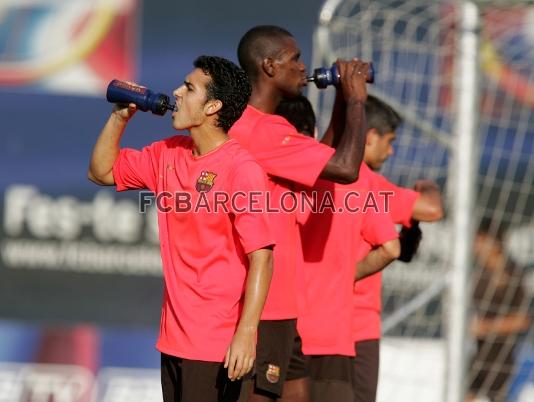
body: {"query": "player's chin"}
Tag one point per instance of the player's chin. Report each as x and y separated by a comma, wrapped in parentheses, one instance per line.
(294, 93)
(177, 125)
(376, 166)
(300, 88)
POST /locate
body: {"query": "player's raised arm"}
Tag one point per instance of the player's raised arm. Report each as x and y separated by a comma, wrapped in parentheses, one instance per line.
(347, 130)
(106, 149)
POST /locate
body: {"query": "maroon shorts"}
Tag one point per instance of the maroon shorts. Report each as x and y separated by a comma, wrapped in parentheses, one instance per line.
(196, 381)
(331, 378)
(278, 357)
(366, 370)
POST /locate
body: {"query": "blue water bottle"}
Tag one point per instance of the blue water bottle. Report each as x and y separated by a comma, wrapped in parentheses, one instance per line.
(125, 92)
(324, 76)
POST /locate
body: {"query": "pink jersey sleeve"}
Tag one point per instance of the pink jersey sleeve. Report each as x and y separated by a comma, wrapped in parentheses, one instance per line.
(285, 153)
(251, 220)
(401, 200)
(377, 228)
(134, 169)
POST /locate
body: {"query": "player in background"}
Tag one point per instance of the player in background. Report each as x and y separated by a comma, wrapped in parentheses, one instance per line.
(406, 207)
(217, 260)
(342, 217)
(271, 58)
(501, 318)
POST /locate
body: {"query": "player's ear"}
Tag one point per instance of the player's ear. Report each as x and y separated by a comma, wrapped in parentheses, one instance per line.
(268, 66)
(371, 137)
(212, 106)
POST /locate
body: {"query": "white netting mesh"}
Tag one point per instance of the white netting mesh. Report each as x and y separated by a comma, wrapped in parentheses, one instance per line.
(412, 45)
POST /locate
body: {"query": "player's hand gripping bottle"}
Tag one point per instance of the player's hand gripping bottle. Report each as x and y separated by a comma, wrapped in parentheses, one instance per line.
(324, 76)
(144, 98)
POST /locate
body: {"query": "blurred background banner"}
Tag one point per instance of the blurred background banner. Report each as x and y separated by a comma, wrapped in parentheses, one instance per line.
(74, 46)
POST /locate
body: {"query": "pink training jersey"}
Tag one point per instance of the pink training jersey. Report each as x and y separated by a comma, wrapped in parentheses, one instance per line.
(287, 157)
(368, 291)
(204, 239)
(330, 238)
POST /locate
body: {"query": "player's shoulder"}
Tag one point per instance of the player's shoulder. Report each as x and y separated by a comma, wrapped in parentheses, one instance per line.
(374, 177)
(259, 131)
(241, 160)
(169, 144)
(365, 172)
(174, 141)
(278, 124)
(173, 144)
(238, 155)
(178, 141)
(380, 182)
(263, 120)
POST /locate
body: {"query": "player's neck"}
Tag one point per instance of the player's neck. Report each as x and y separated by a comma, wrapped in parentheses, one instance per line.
(265, 98)
(369, 163)
(206, 139)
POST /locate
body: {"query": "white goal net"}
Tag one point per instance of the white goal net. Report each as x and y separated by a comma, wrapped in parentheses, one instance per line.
(413, 46)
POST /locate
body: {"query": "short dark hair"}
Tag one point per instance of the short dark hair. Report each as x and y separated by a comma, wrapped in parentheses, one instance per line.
(299, 112)
(229, 84)
(258, 43)
(380, 116)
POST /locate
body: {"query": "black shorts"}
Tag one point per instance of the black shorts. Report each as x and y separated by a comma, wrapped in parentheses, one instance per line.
(366, 370)
(196, 381)
(331, 378)
(278, 356)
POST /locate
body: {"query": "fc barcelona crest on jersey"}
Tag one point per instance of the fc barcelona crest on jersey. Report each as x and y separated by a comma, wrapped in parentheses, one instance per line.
(205, 181)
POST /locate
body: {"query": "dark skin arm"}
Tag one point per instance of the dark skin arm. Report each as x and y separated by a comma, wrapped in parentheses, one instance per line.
(241, 352)
(348, 127)
(337, 122)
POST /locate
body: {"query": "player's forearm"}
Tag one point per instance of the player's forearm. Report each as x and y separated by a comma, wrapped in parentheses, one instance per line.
(106, 151)
(258, 281)
(377, 259)
(334, 131)
(344, 166)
